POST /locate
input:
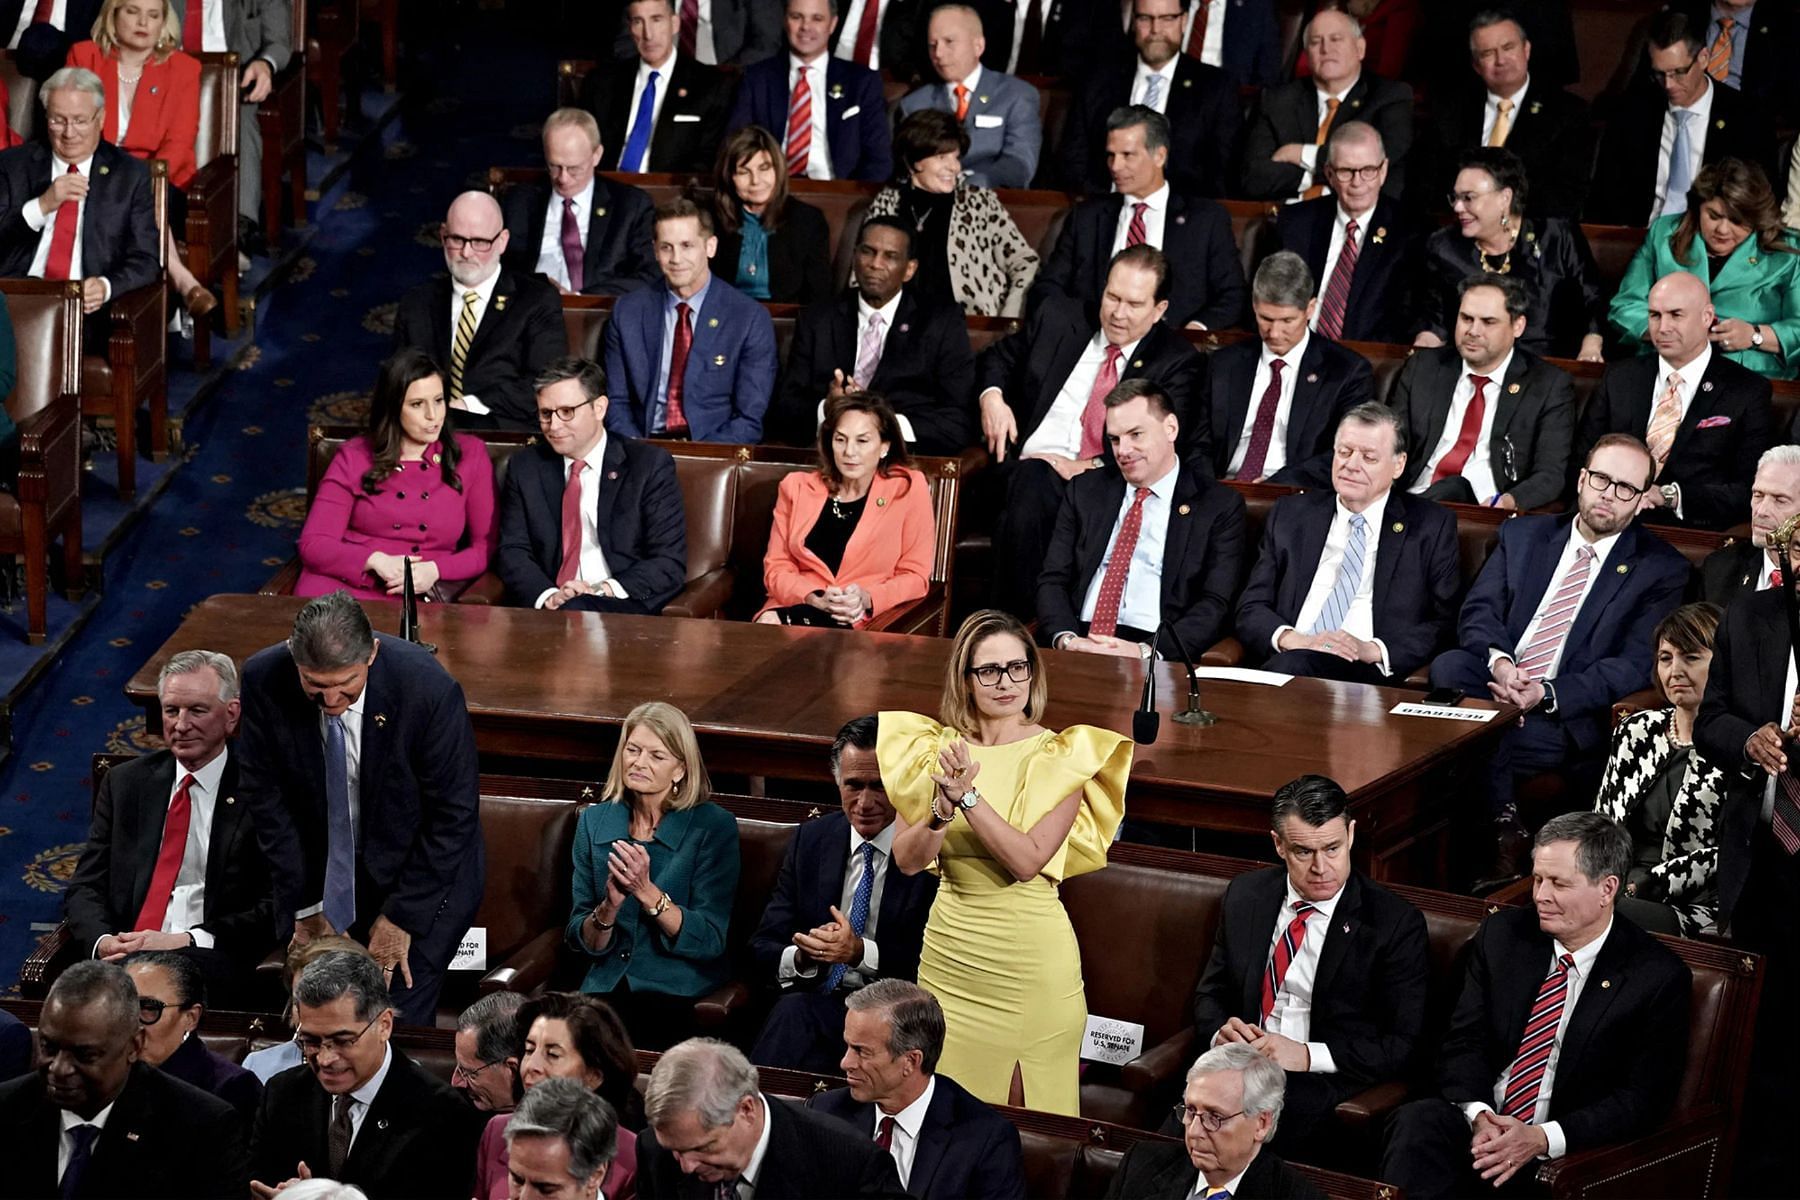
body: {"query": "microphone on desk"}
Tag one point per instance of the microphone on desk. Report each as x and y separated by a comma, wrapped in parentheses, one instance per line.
(1193, 714)
(409, 608)
(1146, 721)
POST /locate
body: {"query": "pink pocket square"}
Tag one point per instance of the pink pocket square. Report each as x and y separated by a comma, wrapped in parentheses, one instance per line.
(1713, 423)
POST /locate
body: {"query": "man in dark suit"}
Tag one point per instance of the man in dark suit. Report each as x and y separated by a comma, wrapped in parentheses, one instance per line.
(1358, 582)
(1230, 1109)
(261, 34)
(1315, 965)
(358, 1110)
(725, 33)
(1043, 394)
(1638, 175)
(94, 1121)
(1285, 140)
(802, 1154)
(1705, 418)
(886, 36)
(40, 45)
(632, 557)
(1355, 241)
(695, 357)
(1570, 1032)
(1040, 37)
(1270, 408)
(1443, 40)
(358, 762)
(1143, 208)
(1153, 542)
(1487, 421)
(1200, 104)
(15, 1047)
(664, 111)
(172, 861)
(1241, 36)
(488, 1045)
(489, 327)
(1753, 564)
(1748, 47)
(882, 337)
(946, 1144)
(837, 128)
(835, 867)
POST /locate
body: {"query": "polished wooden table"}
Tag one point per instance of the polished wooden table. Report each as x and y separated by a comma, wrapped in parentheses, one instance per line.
(551, 689)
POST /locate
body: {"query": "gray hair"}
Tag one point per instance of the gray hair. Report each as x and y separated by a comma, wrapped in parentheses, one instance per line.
(1354, 131)
(101, 985)
(189, 661)
(331, 977)
(1130, 116)
(579, 118)
(322, 1189)
(1265, 1083)
(1602, 847)
(1373, 412)
(494, 1020)
(704, 1076)
(331, 632)
(1283, 279)
(915, 1019)
(78, 79)
(1785, 455)
(562, 1108)
(1356, 29)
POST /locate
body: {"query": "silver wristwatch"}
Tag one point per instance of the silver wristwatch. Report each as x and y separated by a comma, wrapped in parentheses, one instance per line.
(1671, 493)
(1756, 337)
(970, 799)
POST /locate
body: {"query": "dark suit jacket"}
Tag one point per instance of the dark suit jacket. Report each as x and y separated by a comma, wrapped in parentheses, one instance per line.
(1203, 555)
(164, 1140)
(730, 367)
(1625, 1044)
(124, 836)
(1162, 1170)
(697, 99)
(926, 372)
(118, 230)
(809, 1155)
(1384, 263)
(1552, 135)
(1609, 652)
(520, 333)
(418, 1138)
(639, 515)
(1725, 430)
(1203, 126)
(799, 256)
(1329, 382)
(900, 37)
(43, 47)
(1768, 75)
(1534, 421)
(620, 255)
(1064, 49)
(856, 122)
(966, 1150)
(1416, 575)
(744, 32)
(216, 1075)
(1441, 49)
(15, 1047)
(1289, 112)
(1625, 173)
(1207, 276)
(1728, 573)
(419, 855)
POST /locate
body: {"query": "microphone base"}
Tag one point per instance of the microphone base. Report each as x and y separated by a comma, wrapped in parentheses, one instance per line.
(1196, 716)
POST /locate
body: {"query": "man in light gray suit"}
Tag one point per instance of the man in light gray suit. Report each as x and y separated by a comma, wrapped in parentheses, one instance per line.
(999, 111)
(728, 33)
(261, 34)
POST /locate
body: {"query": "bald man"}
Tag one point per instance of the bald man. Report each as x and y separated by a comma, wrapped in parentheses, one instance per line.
(490, 329)
(999, 112)
(1705, 418)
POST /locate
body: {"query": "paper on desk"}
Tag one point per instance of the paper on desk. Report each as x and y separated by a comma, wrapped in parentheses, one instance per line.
(1243, 675)
(1444, 712)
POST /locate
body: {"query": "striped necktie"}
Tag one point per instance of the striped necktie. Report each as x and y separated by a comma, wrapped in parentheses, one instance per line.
(1526, 1076)
(1283, 955)
(459, 349)
(1349, 578)
(1558, 617)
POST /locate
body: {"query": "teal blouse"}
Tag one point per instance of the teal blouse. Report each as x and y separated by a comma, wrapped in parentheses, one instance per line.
(1753, 286)
(694, 857)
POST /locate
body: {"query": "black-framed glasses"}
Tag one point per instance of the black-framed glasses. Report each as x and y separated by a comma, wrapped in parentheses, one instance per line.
(1672, 75)
(565, 414)
(988, 674)
(454, 242)
(1600, 481)
(340, 1043)
(151, 1010)
(1359, 174)
(1151, 20)
(468, 1075)
(1212, 1122)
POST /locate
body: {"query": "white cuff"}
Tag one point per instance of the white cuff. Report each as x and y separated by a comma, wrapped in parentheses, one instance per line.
(1387, 669)
(1473, 1109)
(1322, 1062)
(1558, 1145)
(871, 959)
(619, 592)
(1275, 640)
(203, 939)
(471, 404)
(906, 428)
(35, 220)
(311, 910)
(1679, 516)
(1309, 159)
(106, 294)
(95, 952)
(790, 967)
(546, 594)
(1494, 656)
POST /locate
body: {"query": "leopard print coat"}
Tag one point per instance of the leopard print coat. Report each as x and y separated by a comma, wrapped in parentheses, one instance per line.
(992, 266)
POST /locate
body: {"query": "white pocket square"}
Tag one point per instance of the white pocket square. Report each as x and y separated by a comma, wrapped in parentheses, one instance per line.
(850, 112)
(686, 118)
(988, 121)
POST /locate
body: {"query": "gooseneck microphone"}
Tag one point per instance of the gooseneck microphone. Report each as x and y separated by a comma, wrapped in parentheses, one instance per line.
(1146, 720)
(1193, 714)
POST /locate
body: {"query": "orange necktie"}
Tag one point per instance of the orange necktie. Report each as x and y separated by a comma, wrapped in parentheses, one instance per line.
(962, 102)
(1331, 111)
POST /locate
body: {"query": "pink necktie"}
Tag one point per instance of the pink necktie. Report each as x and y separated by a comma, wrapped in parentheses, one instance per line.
(868, 356)
(1093, 417)
(571, 525)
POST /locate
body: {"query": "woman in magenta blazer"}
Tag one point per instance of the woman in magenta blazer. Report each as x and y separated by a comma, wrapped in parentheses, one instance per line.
(408, 488)
(857, 537)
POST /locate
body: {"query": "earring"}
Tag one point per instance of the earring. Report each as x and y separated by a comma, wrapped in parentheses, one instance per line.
(1505, 221)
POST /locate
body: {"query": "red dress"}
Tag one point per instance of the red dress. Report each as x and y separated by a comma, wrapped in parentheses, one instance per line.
(165, 112)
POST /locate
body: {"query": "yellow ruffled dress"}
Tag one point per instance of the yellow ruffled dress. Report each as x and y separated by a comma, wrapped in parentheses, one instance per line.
(999, 954)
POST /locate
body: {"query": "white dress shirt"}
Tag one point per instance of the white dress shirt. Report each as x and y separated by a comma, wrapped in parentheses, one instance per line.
(852, 22)
(1602, 548)
(1060, 430)
(904, 1145)
(1202, 1188)
(212, 29)
(1292, 1015)
(1691, 375)
(1359, 621)
(65, 1149)
(663, 71)
(1490, 112)
(1696, 127)
(484, 293)
(352, 719)
(593, 567)
(362, 1097)
(1141, 605)
(1276, 458)
(746, 1188)
(1340, 233)
(551, 263)
(1156, 217)
(704, 47)
(1212, 42)
(1478, 468)
(1309, 155)
(1140, 84)
(818, 153)
(45, 226)
(1018, 38)
(1578, 978)
(59, 17)
(187, 903)
(790, 968)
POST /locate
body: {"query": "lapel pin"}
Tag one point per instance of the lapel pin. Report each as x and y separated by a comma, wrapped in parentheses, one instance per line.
(1356, 104)
(1622, 568)
(105, 170)
(1346, 927)
(499, 303)
(131, 1136)
(381, 720)
(1136, 363)
(681, 92)
(1313, 377)
(1606, 983)
(712, 322)
(1185, 509)
(1530, 236)
(881, 502)
(718, 360)
(381, 1123)
(837, 91)
(612, 474)
(153, 89)
(1512, 389)
(1186, 83)
(1718, 124)
(1753, 262)
(1707, 386)
(1536, 107)
(1381, 235)
(1181, 219)
(436, 459)
(599, 212)
(1399, 526)
(230, 800)
(906, 329)
(983, 99)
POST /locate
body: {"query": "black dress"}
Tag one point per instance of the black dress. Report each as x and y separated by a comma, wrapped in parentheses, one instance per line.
(929, 214)
(1551, 257)
(828, 538)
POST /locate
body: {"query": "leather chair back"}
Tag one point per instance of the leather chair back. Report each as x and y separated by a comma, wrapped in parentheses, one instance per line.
(1253, 229)
(1055, 100)
(323, 442)
(708, 498)
(47, 326)
(529, 841)
(761, 844)
(584, 320)
(219, 108)
(758, 485)
(233, 1046)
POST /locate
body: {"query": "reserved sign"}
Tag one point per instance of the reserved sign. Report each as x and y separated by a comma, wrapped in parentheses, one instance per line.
(1479, 716)
(471, 952)
(1110, 1041)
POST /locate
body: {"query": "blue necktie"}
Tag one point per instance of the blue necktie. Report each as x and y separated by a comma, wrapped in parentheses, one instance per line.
(1680, 177)
(859, 911)
(637, 144)
(83, 1136)
(1349, 578)
(340, 834)
(1152, 90)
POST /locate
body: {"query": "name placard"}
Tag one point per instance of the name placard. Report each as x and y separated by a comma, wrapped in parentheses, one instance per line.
(471, 952)
(1478, 716)
(1109, 1041)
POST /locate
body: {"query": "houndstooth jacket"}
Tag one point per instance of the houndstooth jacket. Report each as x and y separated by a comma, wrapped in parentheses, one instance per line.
(1689, 868)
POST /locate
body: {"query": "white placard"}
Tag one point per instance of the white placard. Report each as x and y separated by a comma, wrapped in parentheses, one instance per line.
(1478, 716)
(471, 952)
(1243, 675)
(1109, 1041)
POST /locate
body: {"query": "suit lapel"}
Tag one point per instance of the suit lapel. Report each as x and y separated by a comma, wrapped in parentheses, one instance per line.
(1181, 528)
(898, 344)
(1257, 931)
(1346, 918)
(376, 739)
(598, 222)
(1235, 388)
(1509, 398)
(1704, 405)
(1308, 549)
(1434, 384)
(843, 334)
(505, 287)
(152, 815)
(607, 494)
(934, 1138)
(1606, 979)
(227, 820)
(1612, 576)
(1105, 228)
(370, 1151)
(1392, 537)
(1373, 254)
(1303, 413)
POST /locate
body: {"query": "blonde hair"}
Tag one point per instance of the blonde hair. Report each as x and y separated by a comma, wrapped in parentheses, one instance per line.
(165, 45)
(671, 726)
(957, 708)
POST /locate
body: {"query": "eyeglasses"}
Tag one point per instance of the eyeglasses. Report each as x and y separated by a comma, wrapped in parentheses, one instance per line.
(1360, 174)
(1212, 1122)
(988, 674)
(151, 1010)
(1672, 76)
(340, 1043)
(454, 242)
(1600, 481)
(1467, 199)
(467, 1074)
(564, 414)
(1151, 20)
(59, 124)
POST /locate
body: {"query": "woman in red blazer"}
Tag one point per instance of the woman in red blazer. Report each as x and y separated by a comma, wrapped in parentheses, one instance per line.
(153, 108)
(856, 537)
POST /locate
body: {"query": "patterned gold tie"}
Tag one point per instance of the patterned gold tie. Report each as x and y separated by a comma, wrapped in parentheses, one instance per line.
(1718, 58)
(459, 350)
(1502, 124)
(1660, 437)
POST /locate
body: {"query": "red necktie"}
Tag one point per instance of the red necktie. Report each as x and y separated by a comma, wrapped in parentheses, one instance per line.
(571, 525)
(1093, 417)
(865, 32)
(1337, 292)
(1118, 565)
(41, 13)
(1134, 233)
(884, 1137)
(193, 32)
(1539, 1038)
(799, 131)
(1263, 428)
(690, 27)
(1197, 35)
(168, 859)
(1283, 955)
(1453, 462)
(62, 238)
(962, 102)
(674, 419)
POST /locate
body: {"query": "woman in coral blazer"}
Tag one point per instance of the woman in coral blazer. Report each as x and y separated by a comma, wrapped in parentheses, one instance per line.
(857, 537)
(152, 108)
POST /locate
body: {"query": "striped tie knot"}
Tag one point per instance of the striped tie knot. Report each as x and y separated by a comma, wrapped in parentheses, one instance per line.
(1283, 954)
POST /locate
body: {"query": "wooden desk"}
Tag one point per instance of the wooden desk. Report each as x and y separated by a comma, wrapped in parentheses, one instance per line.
(767, 700)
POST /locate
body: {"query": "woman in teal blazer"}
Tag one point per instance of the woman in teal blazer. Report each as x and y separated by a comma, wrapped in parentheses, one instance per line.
(1731, 236)
(656, 872)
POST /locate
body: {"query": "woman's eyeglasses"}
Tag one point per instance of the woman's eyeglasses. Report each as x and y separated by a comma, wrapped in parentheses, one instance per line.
(988, 674)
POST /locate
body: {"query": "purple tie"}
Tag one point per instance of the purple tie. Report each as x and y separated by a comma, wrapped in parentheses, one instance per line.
(571, 245)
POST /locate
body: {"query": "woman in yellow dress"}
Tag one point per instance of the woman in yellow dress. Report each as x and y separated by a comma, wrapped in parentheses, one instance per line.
(1004, 810)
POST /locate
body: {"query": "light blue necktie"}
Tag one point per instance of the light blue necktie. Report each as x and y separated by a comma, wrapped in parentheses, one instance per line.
(1152, 90)
(1680, 177)
(1349, 578)
(340, 834)
(637, 145)
(859, 911)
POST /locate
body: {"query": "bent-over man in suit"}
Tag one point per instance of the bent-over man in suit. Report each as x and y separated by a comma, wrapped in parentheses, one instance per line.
(665, 110)
(946, 1144)
(172, 861)
(999, 112)
(358, 763)
(712, 1129)
(1753, 564)
(838, 917)
(589, 521)
(1571, 1030)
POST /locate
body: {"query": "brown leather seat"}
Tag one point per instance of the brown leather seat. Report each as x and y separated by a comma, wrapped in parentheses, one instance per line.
(209, 235)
